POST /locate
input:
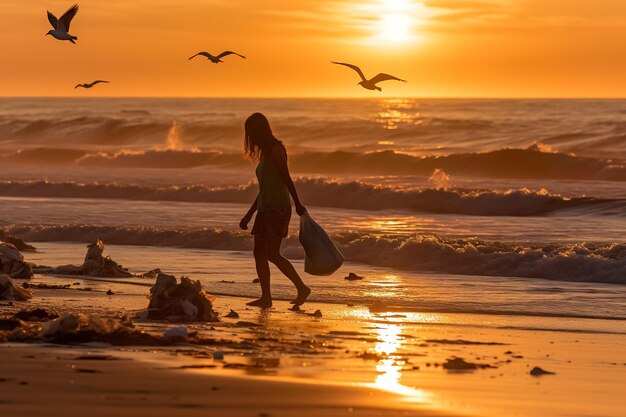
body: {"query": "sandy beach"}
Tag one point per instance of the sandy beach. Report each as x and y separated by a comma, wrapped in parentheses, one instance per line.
(376, 208)
(349, 361)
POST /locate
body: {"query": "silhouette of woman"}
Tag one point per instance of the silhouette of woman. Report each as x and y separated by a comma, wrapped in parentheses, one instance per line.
(273, 207)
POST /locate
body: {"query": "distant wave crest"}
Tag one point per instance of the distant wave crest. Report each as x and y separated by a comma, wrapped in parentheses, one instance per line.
(534, 162)
(345, 195)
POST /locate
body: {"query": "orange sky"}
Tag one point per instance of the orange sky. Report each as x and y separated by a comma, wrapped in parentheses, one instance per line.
(445, 48)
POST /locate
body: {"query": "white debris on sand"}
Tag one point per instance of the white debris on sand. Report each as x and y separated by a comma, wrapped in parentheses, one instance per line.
(12, 262)
(77, 328)
(95, 265)
(11, 292)
(176, 333)
(184, 301)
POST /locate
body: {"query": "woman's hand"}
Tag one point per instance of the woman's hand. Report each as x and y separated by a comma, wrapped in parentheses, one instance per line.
(243, 224)
(300, 209)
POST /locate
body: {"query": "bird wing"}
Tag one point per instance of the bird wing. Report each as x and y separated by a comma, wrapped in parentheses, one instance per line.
(53, 20)
(78, 85)
(98, 82)
(354, 67)
(66, 19)
(225, 53)
(206, 54)
(384, 77)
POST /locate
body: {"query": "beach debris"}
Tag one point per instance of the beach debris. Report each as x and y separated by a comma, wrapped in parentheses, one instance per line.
(152, 274)
(86, 371)
(44, 286)
(109, 292)
(459, 364)
(317, 313)
(255, 281)
(353, 277)
(203, 366)
(232, 315)
(11, 292)
(179, 333)
(218, 355)
(461, 342)
(42, 269)
(95, 265)
(12, 262)
(76, 328)
(370, 356)
(75, 322)
(227, 282)
(37, 314)
(184, 301)
(537, 371)
(347, 333)
(247, 324)
(10, 324)
(18, 243)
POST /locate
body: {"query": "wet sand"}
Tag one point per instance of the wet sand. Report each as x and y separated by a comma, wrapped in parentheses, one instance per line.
(50, 381)
(350, 361)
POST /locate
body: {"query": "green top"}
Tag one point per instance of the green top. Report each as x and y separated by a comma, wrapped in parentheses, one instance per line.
(273, 192)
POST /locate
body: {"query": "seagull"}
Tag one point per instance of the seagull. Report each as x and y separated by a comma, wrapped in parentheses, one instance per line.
(371, 83)
(62, 26)
(216, 59)
(89, 85)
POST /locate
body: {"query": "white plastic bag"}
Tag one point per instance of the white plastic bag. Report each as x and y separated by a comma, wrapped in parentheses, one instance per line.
(321, 255)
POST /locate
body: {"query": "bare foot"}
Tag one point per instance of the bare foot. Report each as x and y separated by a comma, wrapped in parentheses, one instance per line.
(261, 302)
(303, 294)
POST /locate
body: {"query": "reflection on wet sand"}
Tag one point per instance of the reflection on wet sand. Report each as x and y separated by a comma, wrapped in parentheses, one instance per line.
(390, 368)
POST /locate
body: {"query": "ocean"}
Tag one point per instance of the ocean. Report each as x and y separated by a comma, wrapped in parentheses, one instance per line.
(486, 206)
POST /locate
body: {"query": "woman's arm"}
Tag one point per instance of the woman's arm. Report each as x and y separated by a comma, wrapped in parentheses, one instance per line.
(279, 159)
(243, 224)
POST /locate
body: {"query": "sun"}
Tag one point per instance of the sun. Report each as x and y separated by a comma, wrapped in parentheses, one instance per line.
(395, 27)
(398, 20)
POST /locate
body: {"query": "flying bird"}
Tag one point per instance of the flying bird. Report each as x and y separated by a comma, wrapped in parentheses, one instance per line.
(216, 59)
(62, 26)
(371, 83)
(89, 85)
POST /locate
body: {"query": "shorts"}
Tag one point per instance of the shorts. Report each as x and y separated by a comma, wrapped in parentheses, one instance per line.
(274, 222)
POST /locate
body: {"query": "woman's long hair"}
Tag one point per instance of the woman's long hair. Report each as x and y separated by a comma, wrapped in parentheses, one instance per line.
(258, 137)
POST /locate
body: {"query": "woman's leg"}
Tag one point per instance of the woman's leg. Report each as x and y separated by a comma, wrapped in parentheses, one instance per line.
(274, 256)
(263, 271)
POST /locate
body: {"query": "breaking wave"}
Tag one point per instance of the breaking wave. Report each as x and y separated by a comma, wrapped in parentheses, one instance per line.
(602, 263)
(533, 162)
(344, 195)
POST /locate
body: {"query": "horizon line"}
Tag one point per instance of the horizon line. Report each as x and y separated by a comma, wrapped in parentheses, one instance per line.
(323, 97)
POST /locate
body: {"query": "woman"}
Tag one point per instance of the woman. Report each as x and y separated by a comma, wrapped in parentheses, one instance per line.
(273, 207)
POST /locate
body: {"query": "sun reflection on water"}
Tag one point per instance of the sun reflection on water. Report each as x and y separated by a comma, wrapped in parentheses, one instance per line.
(395, 112)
